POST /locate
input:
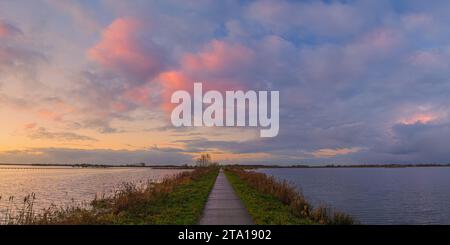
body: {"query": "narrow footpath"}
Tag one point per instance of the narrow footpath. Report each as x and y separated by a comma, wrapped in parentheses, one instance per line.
(223, 206)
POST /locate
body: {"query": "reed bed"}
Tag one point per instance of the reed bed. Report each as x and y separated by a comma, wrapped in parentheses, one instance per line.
(18, 213)
(288, 195)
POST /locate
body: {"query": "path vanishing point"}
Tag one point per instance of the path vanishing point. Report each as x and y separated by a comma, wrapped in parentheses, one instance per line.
(223, 206)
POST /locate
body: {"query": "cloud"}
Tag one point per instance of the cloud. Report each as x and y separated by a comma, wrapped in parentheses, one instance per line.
(7, 30)
(413, 143)
(120, 82)
(328, 153)
(94, 156)
(129, 50)
(315, 18)
(43, 133)
(219, 56)
(18, 57)
(18, 60)
(419, 118)
(431, 60)
(360, 81)
(103, 97)
(219, 65)
(81, 15)
(17, 103)
(338, 81)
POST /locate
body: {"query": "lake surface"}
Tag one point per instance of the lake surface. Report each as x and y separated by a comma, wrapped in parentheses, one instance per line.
(377, 195)
(66, 185)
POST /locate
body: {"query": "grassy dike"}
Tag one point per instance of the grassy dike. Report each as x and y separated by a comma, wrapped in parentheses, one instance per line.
(271, 202)
(176, 200)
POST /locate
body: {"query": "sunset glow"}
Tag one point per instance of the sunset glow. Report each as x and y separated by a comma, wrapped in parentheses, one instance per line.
(91, 81)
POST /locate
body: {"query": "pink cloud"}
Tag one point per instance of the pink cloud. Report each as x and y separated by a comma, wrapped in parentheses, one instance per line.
(140, 95)
(121, 50)
(119, 107)
(170, 82)
(219, 56)
(212, 66)
(30, 125)
(419, 118)
(50, 115)
(56, 111)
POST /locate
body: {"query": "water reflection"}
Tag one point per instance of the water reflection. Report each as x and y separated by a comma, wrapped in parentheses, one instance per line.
(377, 195)
(66, 185)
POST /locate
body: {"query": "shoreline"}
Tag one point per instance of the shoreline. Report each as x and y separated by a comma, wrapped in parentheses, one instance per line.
(91, 166)
(182, 200)
(273, 202)
(176, 200)
(100, 166)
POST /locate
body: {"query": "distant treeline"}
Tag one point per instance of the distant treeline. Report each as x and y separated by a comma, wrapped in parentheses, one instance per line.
(253, 166)
(345, 166)
(90, 165)
(137, 165)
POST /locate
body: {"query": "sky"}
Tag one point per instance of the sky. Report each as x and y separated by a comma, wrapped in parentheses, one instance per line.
(89, 81)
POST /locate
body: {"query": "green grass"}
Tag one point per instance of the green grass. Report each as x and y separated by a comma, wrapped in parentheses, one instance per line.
(178, 200)
(265, 209)
(183, 206)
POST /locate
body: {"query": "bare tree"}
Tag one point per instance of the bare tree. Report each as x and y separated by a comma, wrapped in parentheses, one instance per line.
(204, 160)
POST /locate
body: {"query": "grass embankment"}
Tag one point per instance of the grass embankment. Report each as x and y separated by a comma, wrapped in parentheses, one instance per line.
(176, 200)
(271, 202)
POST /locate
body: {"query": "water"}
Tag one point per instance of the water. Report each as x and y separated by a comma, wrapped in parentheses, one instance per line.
(64, 186)
(377, 195)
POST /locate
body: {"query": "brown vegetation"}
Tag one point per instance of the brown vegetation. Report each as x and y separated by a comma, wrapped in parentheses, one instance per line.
(288, 195)
(151, 204)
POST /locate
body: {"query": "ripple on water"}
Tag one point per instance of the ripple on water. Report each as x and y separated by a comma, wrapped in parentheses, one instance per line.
(377, 195)
(66, 185)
